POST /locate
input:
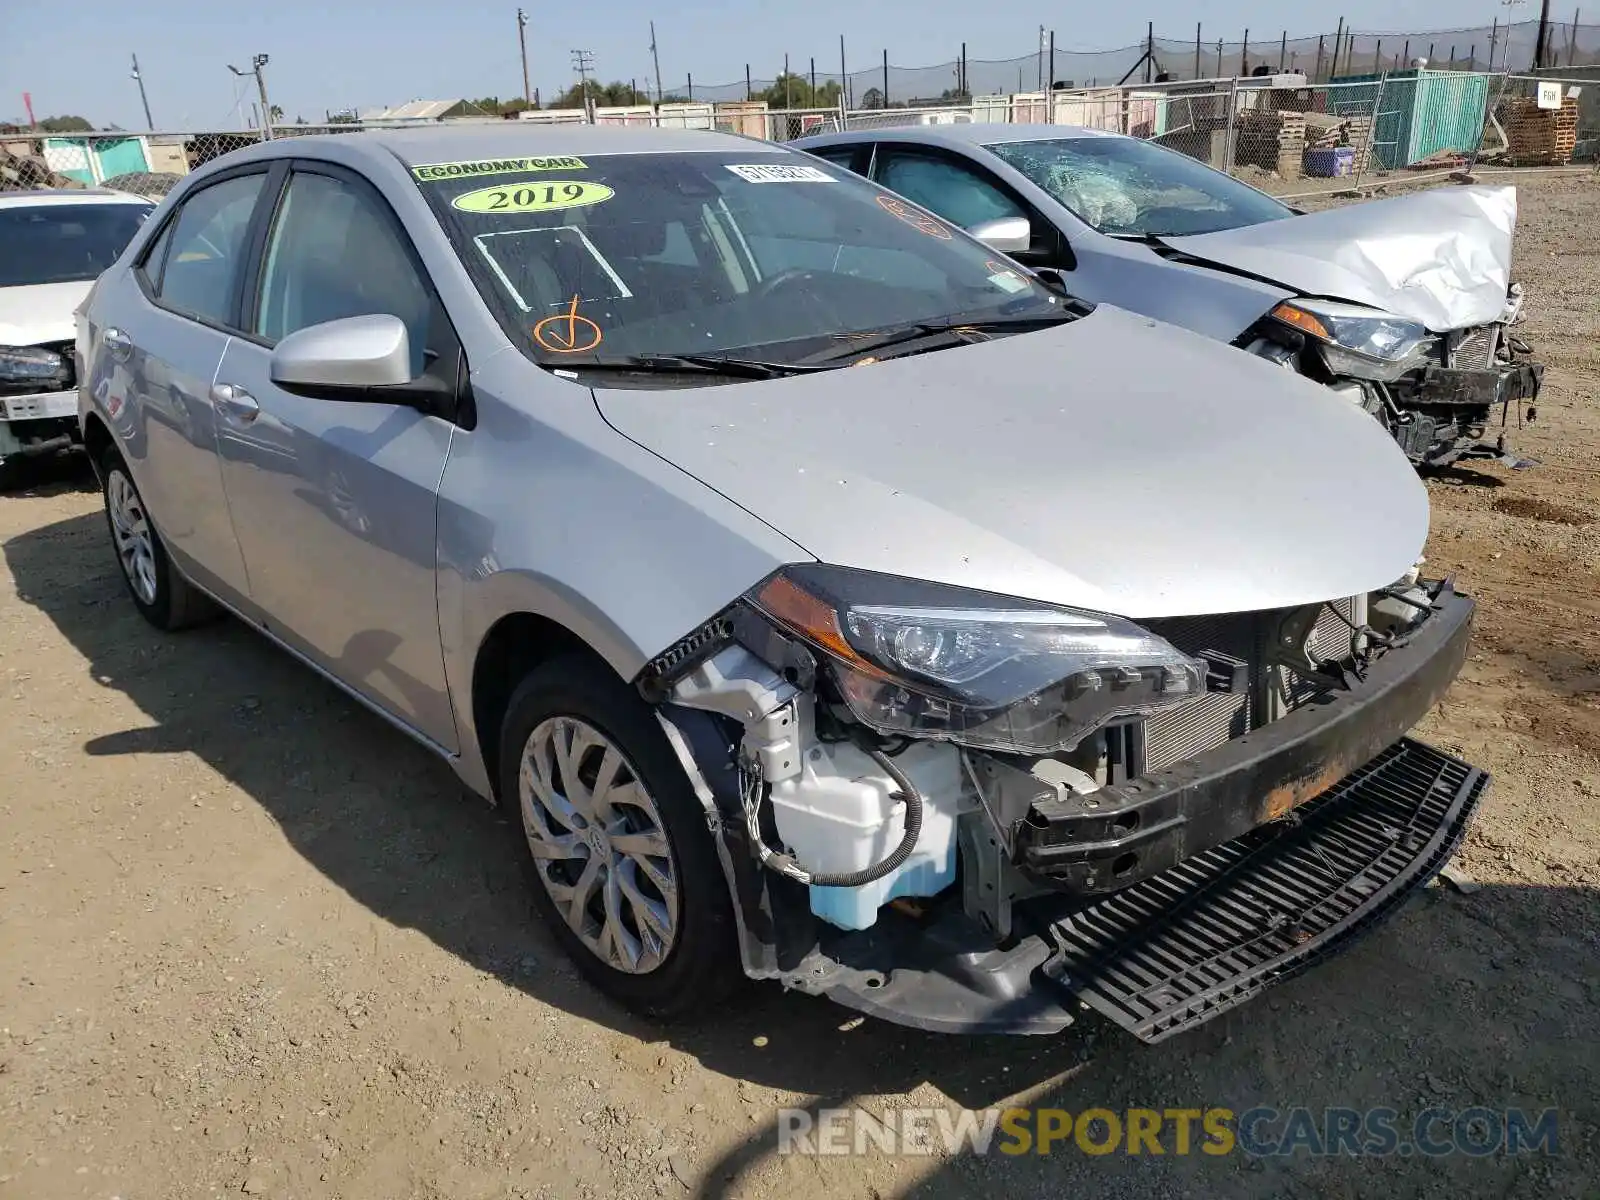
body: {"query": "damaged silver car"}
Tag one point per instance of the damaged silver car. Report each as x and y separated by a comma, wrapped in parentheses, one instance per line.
(1404, 305)
(652, 479)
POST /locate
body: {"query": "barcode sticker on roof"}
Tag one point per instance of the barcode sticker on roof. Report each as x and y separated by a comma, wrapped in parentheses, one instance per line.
(780, 173)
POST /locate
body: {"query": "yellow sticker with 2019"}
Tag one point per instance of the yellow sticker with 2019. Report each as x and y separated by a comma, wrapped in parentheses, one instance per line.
(544, 196)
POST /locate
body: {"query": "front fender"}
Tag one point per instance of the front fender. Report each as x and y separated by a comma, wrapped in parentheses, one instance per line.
(545, 509)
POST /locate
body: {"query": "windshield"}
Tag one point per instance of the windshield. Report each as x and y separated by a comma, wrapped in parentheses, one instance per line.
(1128, 188)
(64, 243)
(749, 253)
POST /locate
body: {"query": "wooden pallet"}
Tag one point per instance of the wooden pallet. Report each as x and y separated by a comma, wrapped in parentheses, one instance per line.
(1539, 137)
(1271, 139)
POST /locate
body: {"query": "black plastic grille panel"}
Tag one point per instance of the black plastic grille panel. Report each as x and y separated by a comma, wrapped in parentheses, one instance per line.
(1181, 947)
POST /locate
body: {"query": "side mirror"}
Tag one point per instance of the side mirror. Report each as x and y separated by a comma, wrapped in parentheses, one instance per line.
(354, 358)
(1009, 235)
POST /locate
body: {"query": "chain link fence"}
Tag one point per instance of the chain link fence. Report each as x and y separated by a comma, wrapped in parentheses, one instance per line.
(1282, 135)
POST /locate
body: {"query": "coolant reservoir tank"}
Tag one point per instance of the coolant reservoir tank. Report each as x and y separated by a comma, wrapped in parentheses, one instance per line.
(839, 815)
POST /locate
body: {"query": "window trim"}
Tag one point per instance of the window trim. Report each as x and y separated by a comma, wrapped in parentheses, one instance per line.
(152, 287)
(460, 410)
(1055, 251)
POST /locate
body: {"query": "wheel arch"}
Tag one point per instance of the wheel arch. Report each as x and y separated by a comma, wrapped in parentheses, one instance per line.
(97, 440)
(516, 644)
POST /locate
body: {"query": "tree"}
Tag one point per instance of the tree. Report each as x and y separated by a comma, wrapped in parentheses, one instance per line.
(872, 98)
(610, 95)
(275, 114)
(65, 124)
(794, 91)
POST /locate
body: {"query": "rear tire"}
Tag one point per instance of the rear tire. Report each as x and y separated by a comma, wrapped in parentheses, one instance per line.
(162, 595)
(624, 869)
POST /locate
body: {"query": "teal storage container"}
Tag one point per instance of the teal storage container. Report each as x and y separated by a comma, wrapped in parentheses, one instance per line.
(1421, 112)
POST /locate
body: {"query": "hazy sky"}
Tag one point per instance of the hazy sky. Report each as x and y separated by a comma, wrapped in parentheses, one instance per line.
(74, 58)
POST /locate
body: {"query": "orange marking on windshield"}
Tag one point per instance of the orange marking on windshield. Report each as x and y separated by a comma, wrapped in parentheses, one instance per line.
(568, 333)
(919, 221)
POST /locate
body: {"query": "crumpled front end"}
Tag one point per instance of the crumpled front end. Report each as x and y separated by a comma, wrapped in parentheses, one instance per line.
(1227, 802)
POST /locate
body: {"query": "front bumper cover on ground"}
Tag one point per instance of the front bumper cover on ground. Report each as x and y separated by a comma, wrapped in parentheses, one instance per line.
(1187, 944)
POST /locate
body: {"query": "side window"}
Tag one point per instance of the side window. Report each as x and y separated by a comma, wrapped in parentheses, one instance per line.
(839, 156)
(335, 252)
(205, 249)
(959, 194)
(156, 256)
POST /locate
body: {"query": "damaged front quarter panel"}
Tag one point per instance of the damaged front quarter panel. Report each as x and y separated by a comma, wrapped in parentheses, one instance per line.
(1440, 257)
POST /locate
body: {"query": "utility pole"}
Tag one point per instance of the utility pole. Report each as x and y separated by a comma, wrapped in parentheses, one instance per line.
(522, 41)
(256, 63)
(655, 58)
(1539, 47)
(1041, 57)
(583, 63)
(143, 99)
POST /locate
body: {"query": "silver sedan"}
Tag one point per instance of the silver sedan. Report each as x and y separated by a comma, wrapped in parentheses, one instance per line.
(829, 599)
(1405, 306)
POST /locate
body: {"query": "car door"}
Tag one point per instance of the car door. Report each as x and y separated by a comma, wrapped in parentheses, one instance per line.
(335, 500)
(162, 332)
(965, 194)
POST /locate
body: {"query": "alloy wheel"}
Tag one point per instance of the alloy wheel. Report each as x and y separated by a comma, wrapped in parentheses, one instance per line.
(599, 844)
(130, 529)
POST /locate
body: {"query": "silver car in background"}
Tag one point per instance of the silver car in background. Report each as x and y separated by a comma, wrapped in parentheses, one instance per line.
(1403, 305)
(824, 596)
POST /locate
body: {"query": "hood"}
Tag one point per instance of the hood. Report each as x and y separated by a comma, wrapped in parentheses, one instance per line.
(1441, 257)
(40, 312)
(1113, 463)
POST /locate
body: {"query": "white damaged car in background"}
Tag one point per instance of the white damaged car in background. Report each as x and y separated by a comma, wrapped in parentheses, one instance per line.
(53, 244)
(1405, 305)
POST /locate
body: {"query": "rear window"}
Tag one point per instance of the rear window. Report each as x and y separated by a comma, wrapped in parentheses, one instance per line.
(644, 254)
(64, 243)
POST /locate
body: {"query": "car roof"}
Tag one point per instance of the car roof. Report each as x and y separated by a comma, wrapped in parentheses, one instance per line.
(976, 133)
(68, 196)
(503, 139)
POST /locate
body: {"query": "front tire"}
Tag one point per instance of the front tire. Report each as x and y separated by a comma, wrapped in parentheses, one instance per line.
(163, 596)
(625, 872)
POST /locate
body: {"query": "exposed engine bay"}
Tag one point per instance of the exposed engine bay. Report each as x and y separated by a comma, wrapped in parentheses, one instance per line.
(936, 850)
(1445, 397)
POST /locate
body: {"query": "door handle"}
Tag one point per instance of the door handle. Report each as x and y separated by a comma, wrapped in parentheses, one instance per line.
(118, 343)
(236, 405)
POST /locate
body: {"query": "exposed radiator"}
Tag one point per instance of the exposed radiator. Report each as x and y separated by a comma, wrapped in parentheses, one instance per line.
(1474, 349)
(1191, 729)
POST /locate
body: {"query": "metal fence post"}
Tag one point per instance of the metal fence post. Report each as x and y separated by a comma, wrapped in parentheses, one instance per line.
(1372, 131)
(1490, 109)
(1229, 152)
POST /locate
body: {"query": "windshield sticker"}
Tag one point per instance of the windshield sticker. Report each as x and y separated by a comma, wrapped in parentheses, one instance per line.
(567, 333)
(917, 220)
(780, 173)
(427, 172)
(1005, 278)
(564, 248)
(534, 197)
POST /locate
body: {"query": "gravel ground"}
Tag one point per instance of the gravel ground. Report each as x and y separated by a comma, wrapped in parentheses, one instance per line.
(252, 941)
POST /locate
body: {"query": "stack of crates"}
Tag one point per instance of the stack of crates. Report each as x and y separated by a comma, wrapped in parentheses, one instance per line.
(1540, 137)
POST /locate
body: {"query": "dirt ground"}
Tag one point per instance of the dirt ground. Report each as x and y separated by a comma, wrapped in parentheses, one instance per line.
(253, 941)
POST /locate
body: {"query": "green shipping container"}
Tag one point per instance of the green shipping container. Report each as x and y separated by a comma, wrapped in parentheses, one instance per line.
(1422, 112)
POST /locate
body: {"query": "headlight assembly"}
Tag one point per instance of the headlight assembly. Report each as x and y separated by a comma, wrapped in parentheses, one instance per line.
(1365, 343)
(993, 672)
(31, 364)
